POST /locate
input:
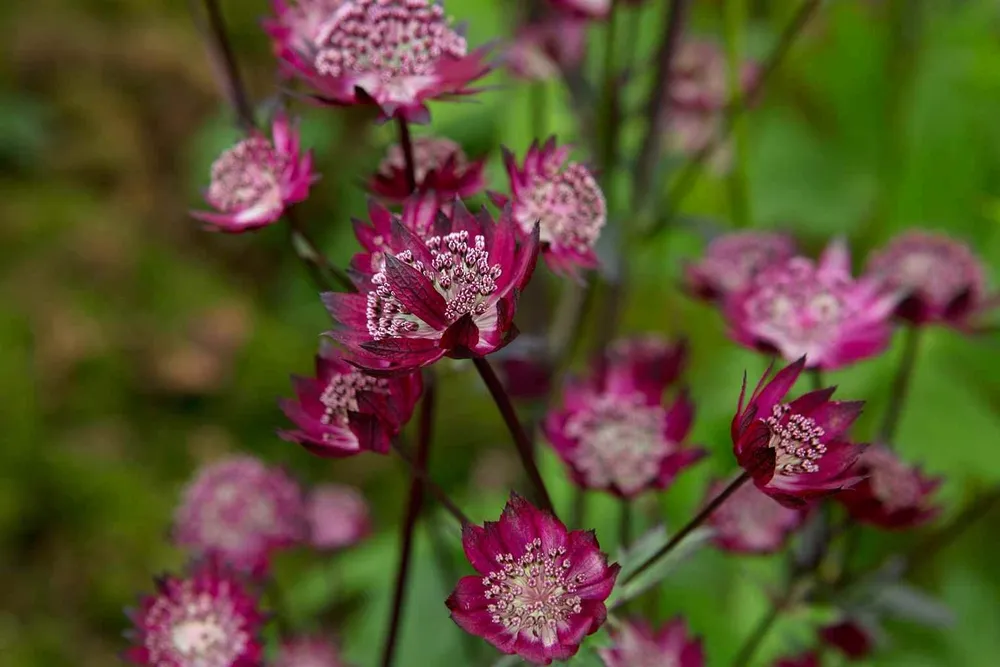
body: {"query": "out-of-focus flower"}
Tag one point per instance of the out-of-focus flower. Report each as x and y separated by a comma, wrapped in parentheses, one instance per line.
(541, 50)
(240, 511)
(450, 294)
(308, 652)
(591, 9)
(635, 644)
(206, 618)
(344, 411)
(848, 637)
(892, 495)
(732, 260)
(798, 307)
(540, 589)
(795, 452)
(395, 54)
(940, 280)
(750, 521)
(613, 430)
(809, 659)
(562, 198)
(338, 517)
(440, 166)
(257, 179)
(525, 368)
(295, 28)
(647, 362)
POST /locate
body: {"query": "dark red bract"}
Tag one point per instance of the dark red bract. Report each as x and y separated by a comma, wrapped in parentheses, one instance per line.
(440, 166)
(892, 495)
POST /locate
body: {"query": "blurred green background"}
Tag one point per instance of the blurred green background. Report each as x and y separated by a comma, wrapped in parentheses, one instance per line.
(135, 347)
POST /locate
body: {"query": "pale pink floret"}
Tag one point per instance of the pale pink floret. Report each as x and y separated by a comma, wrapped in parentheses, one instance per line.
(295, 28)
(635, 644)
(256, 180)
(750, 521)
(892, 495)
(308, 651)
(818, 310)
(338, 517)
(440, 166)
(732, 260)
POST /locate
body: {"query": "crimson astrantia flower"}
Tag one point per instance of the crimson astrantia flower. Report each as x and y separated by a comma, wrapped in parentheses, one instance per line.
(257, 179)
(338, 517)
(848, 637)
(440, 166)
(241, 511)
(613, 430)
(295, 28)
(204, 619)
(795, 452)
(396, 54)
(562, 198)
(941, 280)
(635, 644)
(453, 294)
(809, 659)
(308, 652)
(750, 521)
(732, 260)
(798, 307)
(591, 9)
(540, 588)
(892, 494)
(344, 411)
(541, 50)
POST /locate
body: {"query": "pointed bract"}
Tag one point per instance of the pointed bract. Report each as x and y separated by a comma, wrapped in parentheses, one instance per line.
(848, 637)
(440, 167)
(892, 495)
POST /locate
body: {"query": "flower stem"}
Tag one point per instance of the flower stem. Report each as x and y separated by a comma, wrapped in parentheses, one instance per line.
(609, 126)
(900, 386)
(325, 275)
(221, 54)
(753, 642)
(430, 485)
(406, 141)
(734, 16)
(690, 526)
(517, 432)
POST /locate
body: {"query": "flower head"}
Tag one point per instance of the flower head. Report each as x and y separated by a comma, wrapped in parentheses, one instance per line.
(591, 9)
(440, 166)
(452, 293)
(614, 431)
(540, 51)
(204, 619)
(940, 279)
(344, 411)
(240, 511)
(892, 494)
(750, 521)
(308, 652)
(257, 179)
(396, 54)
(635, 645)
(809, 659)
(338, 517)
(295, 28)
(798, 308)
(732, 260)
(563, 199)
(540, 588)
(795, 452)
(848, 637)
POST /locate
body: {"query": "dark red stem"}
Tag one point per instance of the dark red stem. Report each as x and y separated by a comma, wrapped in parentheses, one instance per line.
(406, 141)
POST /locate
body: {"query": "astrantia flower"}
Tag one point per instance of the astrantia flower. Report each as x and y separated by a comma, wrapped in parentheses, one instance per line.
(540, 51)
(240, 510)
(810, 659)
(257, 179)
(940, 279)
(799, 307)
(848, 637)
(613, 430)
(396, 54)
(295, 28)
(308, 652)
(563, 198)
(453, 294)
(635, 645)
(592, 9)
(440, 166)
(892, 494)
(795, 452)
(338, 517)
(344, 411)
(540, 588)
(732, 260)
(205, 619)
(750, 521)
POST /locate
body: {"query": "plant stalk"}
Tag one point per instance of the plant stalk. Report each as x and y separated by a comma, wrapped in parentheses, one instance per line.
(900, 386)
(406, 141)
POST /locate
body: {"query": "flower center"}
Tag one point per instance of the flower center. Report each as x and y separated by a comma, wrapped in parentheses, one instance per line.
(934, 271)
(796, 439)
(341, 395)
(621, 443)
(429, 153)
(461, 273)
(793, 308)
(534, 593)
(198, 630)
(393, 38)
(893, 484)
(246, 176)
(232, 519)
(567, 204)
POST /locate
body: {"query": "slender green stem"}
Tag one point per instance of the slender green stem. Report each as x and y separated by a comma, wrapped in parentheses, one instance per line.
(817, 378)
(578, 510)
(430, 485)
(406, 141)
(734, 19)
(900, 386)
(610, 124)
(450, 571)
(325, 275)
(753, 641)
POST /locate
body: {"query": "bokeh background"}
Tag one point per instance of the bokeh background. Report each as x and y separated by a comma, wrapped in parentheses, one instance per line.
(134, 347)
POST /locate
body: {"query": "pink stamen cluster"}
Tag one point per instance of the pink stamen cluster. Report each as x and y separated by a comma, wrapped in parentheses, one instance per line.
(796, 439)
(568, 205)
(341, 395)
(248, 175)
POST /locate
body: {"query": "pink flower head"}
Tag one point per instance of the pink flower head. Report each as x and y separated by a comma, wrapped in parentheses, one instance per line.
(453, 293)
(809, 659)
(563, 199)
(798, 307)
(344, 411)
(848, 637)
(204, 619)
(540, 589)
(396, 54)
(614, 431)
(256, 180)
(591, 9)
(338, 517)
(940, 279)
(295, 28)
(240, 511)
(540, 51)
(308, 652)
(795, 452)
(751, 522)
(635, 644)
(732, 260)
(892, 495)
(440, 166)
